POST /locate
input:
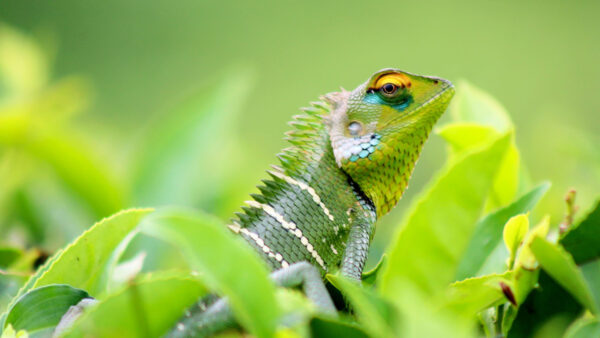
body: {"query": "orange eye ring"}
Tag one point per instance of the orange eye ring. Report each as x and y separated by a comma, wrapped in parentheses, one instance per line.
(398, 79)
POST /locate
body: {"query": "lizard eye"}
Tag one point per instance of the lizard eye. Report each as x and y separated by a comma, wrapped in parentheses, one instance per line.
(388, 89)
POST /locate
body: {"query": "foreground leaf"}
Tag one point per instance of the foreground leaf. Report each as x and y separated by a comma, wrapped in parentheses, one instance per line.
(514, 231)
(584, 328)
(9, 287)
(472, 104)
(437, 230)
(327, 327)
(583, 240)
(148, 307)
(476, 294)
(560, 265)
(10, 332)
(41, 309)
(543, 304)
(371, 311)
(225, 263)
(488, 233)
(84, 263)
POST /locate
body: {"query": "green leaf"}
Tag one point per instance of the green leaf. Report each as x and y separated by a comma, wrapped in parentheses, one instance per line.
(328, 327)
(465, 136)
(42, 308)
(462, 137)
(591, 274)
(10, 332)
(86, 263)
(222, 259)
(560, 265)
(148, 307)
(514, 231)
(8, 256)
(80, 171)
(488, 233)
(23, 65)
(471, 104)
(9, 287)
(584, 328)
(197, 140)
(40, 271)
(545, 302)
(525, 257)
(476, 114)
(436, 232)
(372, 312)
(583, 240)
(369, 278)
(472, 295)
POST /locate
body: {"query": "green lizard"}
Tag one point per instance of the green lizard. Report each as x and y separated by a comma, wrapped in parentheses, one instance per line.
(350, 161)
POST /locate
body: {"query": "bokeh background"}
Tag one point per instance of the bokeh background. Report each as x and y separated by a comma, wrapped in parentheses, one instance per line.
(114, 104)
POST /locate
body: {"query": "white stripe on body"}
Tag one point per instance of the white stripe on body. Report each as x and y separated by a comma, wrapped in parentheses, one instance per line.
(306, 188)
(292, 228)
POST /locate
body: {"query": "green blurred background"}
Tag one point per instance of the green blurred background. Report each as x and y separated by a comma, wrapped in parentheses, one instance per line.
(186, 102)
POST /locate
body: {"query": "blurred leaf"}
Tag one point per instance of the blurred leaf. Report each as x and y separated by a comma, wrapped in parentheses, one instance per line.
(583, 240)
(127, 270)
(23, 66)
(148, 307)
(26, 261)
(58, 103)
(525, 274)
(220, 258)
(472, 295)
(560, 265)
(525, 258)
(584, 328)
(471, 104)
(296, 309)
(188, 157)
(10, 332)
(369, 278)
(327, 327)
(514, 232)
(477, 113)
(8, 255)
(31, 280)
(591, 274)
(439, 225)
(466, 136)
(86, 262)
(488, 233)
(372, 312)
(41, 309)
(80, 171)
(69, 158)
(544, 303)
(9, 287)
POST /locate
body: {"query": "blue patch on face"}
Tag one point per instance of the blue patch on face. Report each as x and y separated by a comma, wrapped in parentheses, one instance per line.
(373, 98)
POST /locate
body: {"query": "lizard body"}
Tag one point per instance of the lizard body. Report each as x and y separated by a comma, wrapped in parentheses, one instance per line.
(333, 177)
(350, 160)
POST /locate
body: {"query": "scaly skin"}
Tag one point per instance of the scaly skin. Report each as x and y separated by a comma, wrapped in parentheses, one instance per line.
(350, 161)
(333, 177)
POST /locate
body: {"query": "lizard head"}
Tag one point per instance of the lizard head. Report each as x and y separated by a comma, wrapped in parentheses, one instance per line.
(378, 129)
